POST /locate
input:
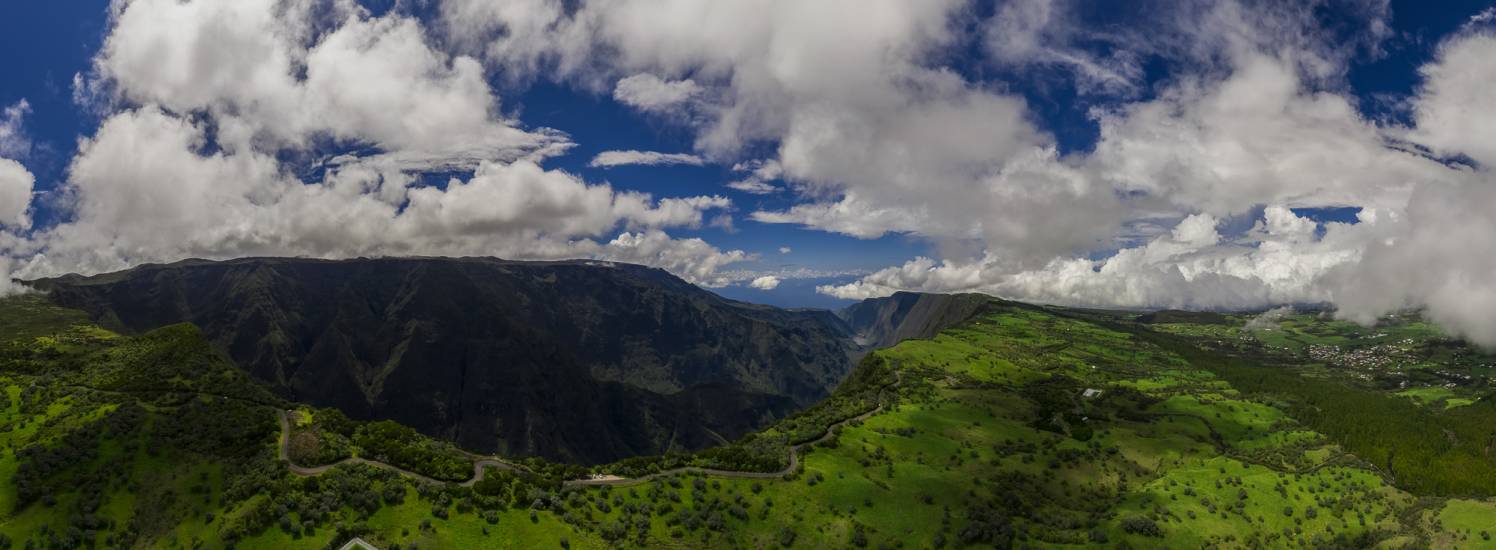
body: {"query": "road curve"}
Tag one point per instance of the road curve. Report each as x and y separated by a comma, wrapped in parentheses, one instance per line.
(284, 454)
(482, 463)
(793, 463)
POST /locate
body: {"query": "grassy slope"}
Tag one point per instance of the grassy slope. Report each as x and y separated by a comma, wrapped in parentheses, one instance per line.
(985, 441)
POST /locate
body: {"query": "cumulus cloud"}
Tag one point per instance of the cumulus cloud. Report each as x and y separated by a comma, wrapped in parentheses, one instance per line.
(859, 121)
(285, 74)
(648, 93)
(766, 282)
(1438, 258)
(1278, 261)
(13, 140)
(1454, 109)
(1256, 137)
(203, 113)
(609, 159)
(862, 121)
(693, 259)
(785, 250)
(1263, 128)
(16, 183)
(142, 192)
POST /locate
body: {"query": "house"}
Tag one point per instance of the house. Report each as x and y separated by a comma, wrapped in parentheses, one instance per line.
(1090, 393)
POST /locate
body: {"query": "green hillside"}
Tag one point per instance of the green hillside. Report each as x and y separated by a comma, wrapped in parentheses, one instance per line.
(1023, 427)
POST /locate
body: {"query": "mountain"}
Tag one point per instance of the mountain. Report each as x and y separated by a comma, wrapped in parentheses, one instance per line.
(573, 360)
(883, 322)
(1024, 425)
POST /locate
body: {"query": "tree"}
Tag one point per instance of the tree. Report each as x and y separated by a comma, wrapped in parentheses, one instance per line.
(859, 536)
(786, 537)
(1141, 525)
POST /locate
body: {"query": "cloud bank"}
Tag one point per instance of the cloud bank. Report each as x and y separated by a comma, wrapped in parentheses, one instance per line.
(207, 105)
(874, 135)
(1198, 192)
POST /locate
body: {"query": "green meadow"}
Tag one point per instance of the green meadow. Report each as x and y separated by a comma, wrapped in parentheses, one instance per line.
(1024, 427)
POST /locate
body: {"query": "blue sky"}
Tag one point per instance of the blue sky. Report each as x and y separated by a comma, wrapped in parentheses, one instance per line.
(1093, 153)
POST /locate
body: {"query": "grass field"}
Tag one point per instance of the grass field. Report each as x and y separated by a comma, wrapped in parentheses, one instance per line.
(1025, 427)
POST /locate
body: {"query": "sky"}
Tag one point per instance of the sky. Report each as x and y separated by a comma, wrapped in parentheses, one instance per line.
(1239, 154)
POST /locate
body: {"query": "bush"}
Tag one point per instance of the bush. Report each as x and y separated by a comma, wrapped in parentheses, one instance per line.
(1140, 525)
(786, 537)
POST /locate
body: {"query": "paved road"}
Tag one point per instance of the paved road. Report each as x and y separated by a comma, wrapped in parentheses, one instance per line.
(794, 456)
(284, 453)
(482, 463)
(794, 462)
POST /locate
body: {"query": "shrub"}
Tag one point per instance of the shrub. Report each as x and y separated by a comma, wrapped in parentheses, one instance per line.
(1140, 525)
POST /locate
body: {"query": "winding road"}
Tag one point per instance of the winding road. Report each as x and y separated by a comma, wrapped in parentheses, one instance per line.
(484, 462)
(285, 455)
(793, 463)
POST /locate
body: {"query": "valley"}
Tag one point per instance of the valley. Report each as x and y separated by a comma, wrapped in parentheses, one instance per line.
(577, 361)
(1019, 426)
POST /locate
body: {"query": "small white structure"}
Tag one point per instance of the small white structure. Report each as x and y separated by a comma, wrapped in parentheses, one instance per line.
(357, 544)
(1090, 393)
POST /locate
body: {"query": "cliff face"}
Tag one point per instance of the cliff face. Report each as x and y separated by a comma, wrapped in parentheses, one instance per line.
(883, 322)
(578, 361)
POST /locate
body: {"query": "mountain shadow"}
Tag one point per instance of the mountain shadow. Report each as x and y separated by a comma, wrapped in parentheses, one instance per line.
(575, 361)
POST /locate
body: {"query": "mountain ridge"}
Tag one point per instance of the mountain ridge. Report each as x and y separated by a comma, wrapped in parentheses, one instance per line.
(883, 322)
(572, 360)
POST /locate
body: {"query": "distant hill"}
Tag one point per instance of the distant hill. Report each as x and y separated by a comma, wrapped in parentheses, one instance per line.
(1179, 316)
(883, 322)
(576, 361)
(1022, 425)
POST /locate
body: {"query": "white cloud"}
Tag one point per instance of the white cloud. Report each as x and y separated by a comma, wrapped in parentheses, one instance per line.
(724, 222)
(16, 183)
(753, 187)
(785, 250)
(1262, 129)
(648, 93)
(787, 273)
(284, 74)
(1270, 319)
(1256, 137)
(692, 259)
(1278, 262)
(766, 282)
(1454, 110)
(142, 192)
(1439, 258)
(857, 119)
(1438, 255)
(1039, 33)
(261, 80)
(609, 159)
(14, 143)
(1486, 16)
(526, 29)
(760, 173)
